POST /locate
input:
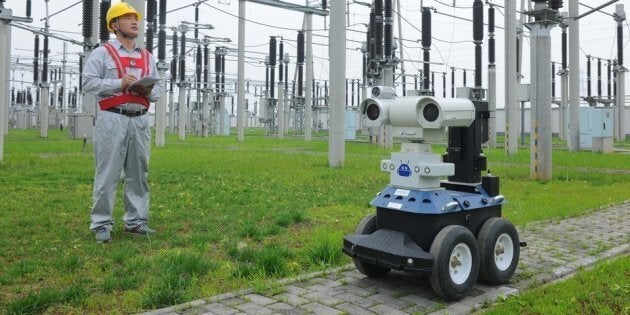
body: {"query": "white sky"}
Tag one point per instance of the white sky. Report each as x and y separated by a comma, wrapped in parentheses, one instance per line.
(597, 37)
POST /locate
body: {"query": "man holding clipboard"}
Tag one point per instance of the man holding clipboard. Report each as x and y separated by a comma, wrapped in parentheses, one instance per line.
(124, 79)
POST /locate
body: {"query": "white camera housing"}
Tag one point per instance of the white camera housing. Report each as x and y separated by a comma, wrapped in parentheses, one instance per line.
(416, 117)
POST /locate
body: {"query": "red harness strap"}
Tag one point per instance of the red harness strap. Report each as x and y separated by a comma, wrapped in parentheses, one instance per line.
(122, 63)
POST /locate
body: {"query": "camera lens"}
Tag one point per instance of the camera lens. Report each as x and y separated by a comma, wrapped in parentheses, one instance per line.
(372, 111)
(430, 112)
(376, 91)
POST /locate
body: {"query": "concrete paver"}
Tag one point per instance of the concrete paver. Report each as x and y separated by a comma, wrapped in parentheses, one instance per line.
(554, 250)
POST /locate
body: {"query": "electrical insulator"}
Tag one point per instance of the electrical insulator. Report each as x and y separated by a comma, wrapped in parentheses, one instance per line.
(87, 19)
(36, 60)
(45, 63)
(300, 47)
(182, 59)
(388, 29)
(162, 12)
(28, 8)
(104, 32)
(175, 47)
(272, 51)
(324, 5)
(555, 4)
(206, 57)
(80, 73)
(426, 28)
(196, 22)
(478, 20)
(161, 45)
(150, 25)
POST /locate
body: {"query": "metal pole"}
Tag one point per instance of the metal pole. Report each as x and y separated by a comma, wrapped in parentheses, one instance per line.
(337, 39)
(574, 77)
(308, 89)
(240, 110)
(511, 124)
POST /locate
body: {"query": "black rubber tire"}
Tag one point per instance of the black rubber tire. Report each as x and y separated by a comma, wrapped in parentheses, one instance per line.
(366, 226)
(442, 248)
(487, 239)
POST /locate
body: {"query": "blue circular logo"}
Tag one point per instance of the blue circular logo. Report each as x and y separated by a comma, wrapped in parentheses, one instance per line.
(404, 170)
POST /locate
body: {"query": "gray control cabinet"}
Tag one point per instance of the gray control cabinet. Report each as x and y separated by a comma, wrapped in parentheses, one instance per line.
(80, 126)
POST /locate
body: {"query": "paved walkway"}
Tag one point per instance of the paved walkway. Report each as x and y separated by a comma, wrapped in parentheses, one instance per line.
(555, 249)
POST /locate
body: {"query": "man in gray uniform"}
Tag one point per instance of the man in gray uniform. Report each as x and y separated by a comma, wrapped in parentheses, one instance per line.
(122, 135)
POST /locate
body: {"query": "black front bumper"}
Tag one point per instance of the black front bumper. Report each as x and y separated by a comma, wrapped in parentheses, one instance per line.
(389, 249)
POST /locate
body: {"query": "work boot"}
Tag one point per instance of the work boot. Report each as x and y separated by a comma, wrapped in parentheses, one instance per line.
(141, 229)
(103, 235)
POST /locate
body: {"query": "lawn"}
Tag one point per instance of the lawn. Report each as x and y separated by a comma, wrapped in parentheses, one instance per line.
(229, 215)
(604, 289)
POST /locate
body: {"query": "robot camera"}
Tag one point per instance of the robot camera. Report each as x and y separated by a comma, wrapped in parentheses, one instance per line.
(415, 117)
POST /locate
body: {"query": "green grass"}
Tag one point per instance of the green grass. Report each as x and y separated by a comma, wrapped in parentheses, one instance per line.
(229, 215)
(601, 290)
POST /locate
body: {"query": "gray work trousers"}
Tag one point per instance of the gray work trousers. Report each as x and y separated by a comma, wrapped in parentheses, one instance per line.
(122, 145)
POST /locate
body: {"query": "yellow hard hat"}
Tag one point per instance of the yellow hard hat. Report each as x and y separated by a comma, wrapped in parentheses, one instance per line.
(119, 9)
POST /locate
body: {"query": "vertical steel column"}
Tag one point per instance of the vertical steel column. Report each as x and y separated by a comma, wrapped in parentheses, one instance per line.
(240, 108)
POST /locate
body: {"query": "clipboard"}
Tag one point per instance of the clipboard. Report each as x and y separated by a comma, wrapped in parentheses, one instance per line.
(145, 81)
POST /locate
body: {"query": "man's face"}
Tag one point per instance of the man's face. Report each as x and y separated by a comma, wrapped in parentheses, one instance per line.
(127, 24)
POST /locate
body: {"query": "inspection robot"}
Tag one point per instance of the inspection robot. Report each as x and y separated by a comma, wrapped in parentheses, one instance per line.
(451, 230)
